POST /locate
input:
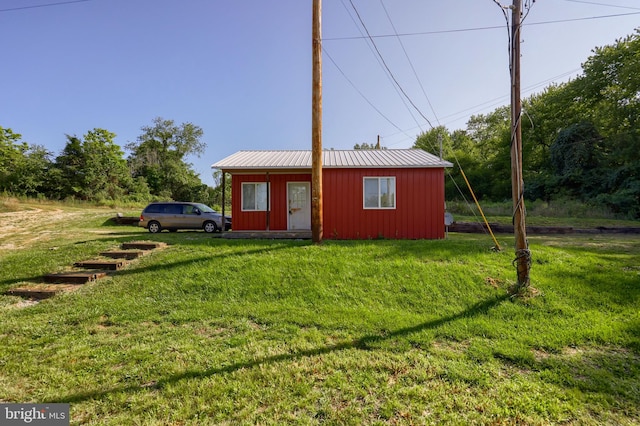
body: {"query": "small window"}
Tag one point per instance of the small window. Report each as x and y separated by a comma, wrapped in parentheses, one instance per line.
(379, 193)
(254, 196)
(189, 209)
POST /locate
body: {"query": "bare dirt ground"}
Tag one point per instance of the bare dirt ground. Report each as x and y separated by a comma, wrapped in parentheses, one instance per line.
(24, 228)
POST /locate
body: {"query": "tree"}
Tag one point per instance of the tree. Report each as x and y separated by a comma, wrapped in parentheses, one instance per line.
(546, 114)
(23, 167)
(432, 139)
(486, 152)
(581, 139)
(32, 173)
(70, 168)
(610, 88)
(365, 145)
(215, 193)
(159, 156)
(93, 168)
(11, 152)
(610, 85)
(576, 156)
(107, 174)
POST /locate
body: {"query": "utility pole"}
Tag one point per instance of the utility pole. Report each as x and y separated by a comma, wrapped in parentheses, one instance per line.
(523, 255)
(316, 125)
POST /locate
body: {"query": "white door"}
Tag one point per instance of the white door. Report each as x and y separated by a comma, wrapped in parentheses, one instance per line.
(299, 199)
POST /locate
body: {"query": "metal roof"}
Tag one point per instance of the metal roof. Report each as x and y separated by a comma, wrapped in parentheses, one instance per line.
(337, 159)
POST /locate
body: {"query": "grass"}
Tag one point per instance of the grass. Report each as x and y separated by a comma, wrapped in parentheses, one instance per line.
(212, 331)
(541, 213)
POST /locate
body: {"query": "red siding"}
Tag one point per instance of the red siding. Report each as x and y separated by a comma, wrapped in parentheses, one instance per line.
(419, 211)
(257, 221)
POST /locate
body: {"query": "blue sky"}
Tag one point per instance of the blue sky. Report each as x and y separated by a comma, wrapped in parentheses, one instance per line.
(241, 69)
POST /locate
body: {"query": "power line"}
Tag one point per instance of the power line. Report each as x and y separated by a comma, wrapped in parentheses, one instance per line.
(406, 54)
(378, 59)
(360, 92)
(386, 66)
(586, 18)
(603, 4)
(43, 5)
(461, 30)
(481, 107)
(499, 100)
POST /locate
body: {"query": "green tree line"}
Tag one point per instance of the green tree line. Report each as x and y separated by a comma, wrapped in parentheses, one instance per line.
(581, 139)
(93, 167)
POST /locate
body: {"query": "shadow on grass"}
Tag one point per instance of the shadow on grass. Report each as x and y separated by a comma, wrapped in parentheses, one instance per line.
(363, 343)
(606, 373)
(613, 279)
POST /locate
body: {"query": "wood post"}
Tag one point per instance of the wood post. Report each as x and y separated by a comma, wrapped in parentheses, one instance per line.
(523, 255)
(224, 200)
(316, 125)
(268, 215)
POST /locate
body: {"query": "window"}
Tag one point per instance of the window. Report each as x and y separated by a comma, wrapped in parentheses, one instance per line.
(254, 196)
(189, 209)
(379, 193)
(154, 208)
(173, 209)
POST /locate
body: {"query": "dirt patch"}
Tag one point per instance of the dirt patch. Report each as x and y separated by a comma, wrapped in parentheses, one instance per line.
(23, 303)
(23, 228)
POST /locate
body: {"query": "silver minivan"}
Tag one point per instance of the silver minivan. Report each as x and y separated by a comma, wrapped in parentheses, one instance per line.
(182, 215)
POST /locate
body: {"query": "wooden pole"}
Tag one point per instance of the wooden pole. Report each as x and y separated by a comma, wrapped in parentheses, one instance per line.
(268, 215)
(316, 126)
(224, 199)
(523, 255)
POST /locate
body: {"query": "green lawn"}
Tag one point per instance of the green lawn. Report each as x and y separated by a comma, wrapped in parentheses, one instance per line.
(213, 331)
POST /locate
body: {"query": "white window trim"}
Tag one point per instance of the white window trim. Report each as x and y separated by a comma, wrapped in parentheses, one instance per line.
(395, 193)
(255, 192)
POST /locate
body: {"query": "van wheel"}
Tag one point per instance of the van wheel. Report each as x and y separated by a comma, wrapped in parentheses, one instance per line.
(154, 227)
(210, 227)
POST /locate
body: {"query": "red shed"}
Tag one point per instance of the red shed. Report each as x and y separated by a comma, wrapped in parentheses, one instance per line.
(394, 193)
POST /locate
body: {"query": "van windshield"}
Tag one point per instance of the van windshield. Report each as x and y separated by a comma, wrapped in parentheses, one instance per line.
(204, 208)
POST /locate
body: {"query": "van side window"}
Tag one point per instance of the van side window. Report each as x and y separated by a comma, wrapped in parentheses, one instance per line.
(174, 209)
(189, 209)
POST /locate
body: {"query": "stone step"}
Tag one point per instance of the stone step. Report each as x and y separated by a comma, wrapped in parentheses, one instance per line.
(109, 265)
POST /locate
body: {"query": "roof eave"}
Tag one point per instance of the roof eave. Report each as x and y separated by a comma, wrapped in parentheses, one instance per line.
(284, 169)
